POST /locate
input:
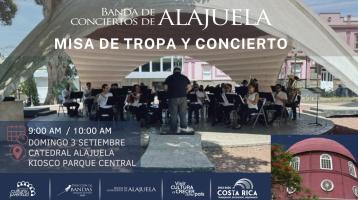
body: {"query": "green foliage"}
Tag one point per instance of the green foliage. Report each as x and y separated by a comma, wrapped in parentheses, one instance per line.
(29, 88)
(282, 174)
(70, 74)
(8, 11)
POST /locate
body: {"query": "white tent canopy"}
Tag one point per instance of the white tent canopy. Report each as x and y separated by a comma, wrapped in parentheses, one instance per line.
(290, 19)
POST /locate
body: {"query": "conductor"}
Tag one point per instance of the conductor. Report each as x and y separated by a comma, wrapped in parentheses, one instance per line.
(178, 86)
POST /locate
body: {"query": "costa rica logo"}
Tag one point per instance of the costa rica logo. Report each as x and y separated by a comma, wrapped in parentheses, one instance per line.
(241, 189)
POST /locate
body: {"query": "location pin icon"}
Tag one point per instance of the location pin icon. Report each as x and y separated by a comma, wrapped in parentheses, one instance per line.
(17, 151)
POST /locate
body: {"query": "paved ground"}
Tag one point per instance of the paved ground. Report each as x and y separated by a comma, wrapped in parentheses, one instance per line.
(343, 124)
(249, 159)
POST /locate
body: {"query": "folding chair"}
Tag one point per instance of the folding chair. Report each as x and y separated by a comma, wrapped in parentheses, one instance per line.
(261, 112)
(61, 107)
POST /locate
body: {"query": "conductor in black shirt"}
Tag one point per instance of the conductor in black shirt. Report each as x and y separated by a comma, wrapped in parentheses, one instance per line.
(178, 86)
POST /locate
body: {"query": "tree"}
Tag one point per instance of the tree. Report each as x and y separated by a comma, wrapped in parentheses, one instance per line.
(8, 11)
(29, 88)
(60, 72)
(284, 176)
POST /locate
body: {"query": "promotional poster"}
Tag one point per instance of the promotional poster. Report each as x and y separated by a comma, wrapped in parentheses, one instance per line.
(178, 99)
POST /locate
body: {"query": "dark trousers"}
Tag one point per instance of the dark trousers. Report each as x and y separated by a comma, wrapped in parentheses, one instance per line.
(72, 108)
(178, 106)
(194, 108)
(245, 112)
(89, 103)
(140, 112)
(278, 109)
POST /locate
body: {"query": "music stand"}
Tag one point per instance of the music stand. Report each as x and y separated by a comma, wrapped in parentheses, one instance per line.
(242, 91)
(76, 95)
(144, 98)
(231, 98)
(111, 101)
(95, 92)
(318, 92)
(267, 95)
(162, 96)
(127, 88)
(192, 98)
(119, 92)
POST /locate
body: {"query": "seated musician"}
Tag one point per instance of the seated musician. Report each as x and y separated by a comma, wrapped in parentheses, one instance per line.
(118, 107)
(88, 99)
(196, 106)
(70, 104)
(103, 108)
(225, 106)
(134, 105)
(243, 88)
(280, 98)
(250, 105)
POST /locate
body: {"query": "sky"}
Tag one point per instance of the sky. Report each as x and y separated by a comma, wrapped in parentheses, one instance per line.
(29, 15)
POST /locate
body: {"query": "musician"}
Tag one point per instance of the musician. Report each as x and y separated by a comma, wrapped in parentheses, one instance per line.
(88, 99)
(196, 106)
(178, 85)
(118, 106)
(250, 105)
(114, 86)
(280, 100)
(69, 103)
(134, 105)
(293, 93)
(102, 99)
(225, 106)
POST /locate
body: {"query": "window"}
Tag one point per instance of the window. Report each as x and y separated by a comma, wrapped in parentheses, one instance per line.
(352, 169)
(297, 69)
(156, 66)
(327, 185)
(145, 67)
(206, 72)
(355, 190)
(326, 162)
(356, 41)
(291, 190)
(178, 61)
(295, 163)
(167, 64)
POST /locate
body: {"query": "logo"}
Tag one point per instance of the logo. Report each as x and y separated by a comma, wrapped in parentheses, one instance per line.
(23, 189)
(80, 190)
(132, 189)
(182, 188)
(242, 189)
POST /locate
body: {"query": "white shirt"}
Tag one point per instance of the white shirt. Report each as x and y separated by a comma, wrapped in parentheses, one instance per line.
(102, 100)
(200, 97)
(252, 97)
(280, 95)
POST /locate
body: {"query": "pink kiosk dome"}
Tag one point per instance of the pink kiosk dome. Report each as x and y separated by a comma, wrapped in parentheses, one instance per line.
(326, 167)
(322, 145)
